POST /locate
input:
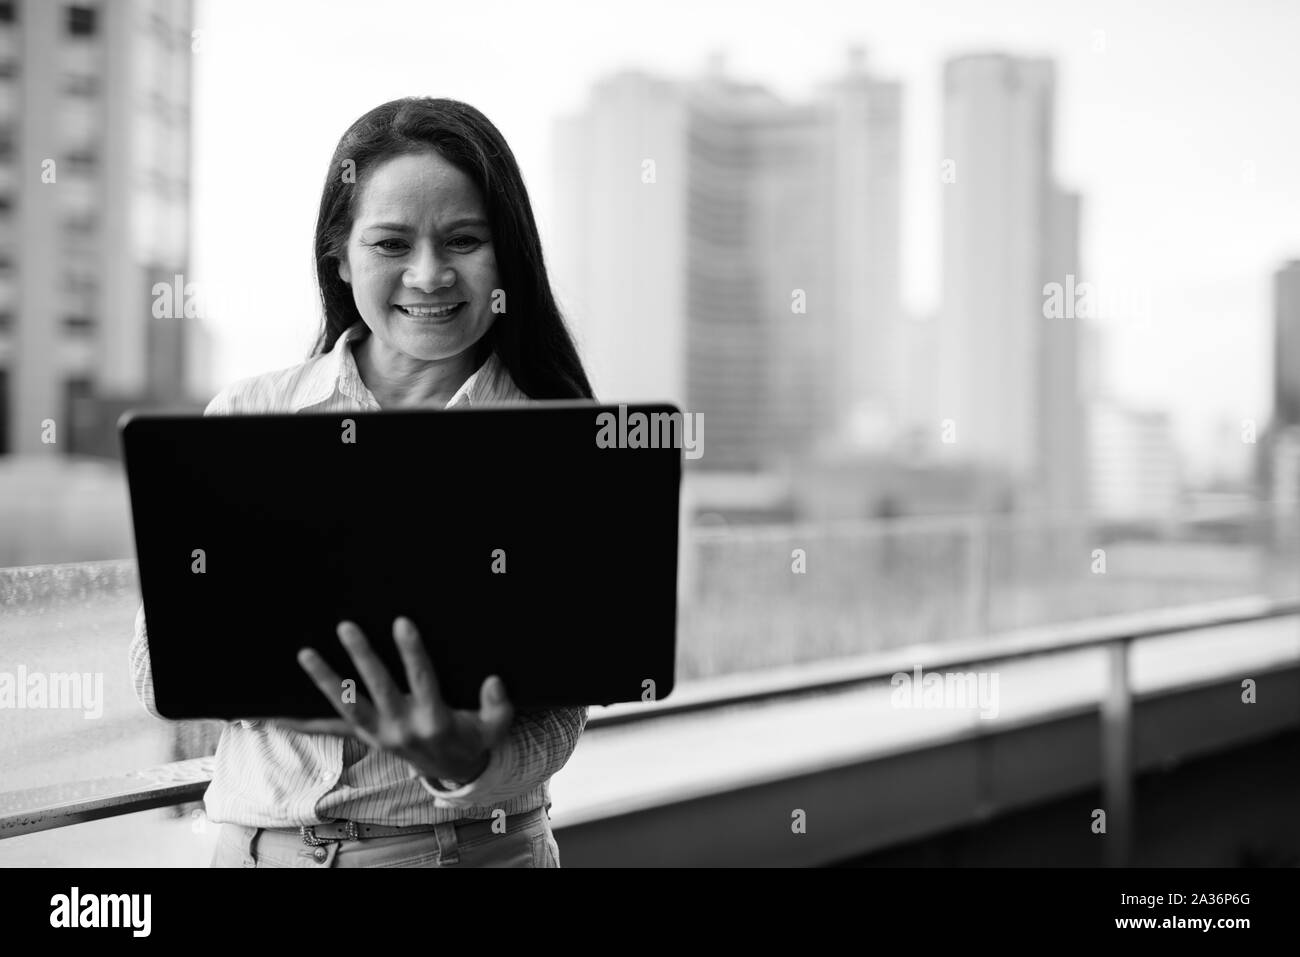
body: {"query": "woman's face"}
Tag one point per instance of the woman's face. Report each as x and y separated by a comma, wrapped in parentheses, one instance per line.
(421, 239)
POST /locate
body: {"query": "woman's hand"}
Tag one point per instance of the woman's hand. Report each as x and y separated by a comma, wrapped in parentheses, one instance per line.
(420, 728)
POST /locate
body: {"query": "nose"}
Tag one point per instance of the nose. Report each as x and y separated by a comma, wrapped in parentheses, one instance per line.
(426, 272)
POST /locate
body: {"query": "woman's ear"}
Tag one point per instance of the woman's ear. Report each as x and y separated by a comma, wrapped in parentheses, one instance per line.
(344, 272)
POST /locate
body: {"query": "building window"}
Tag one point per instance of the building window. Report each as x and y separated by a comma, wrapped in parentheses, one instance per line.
(8, 69)
(82, 162)
(161, 29)
(78, 325)
(7, 12)
(81, 21)
(4, 411)
(159, 105)
(80, 225)
(80, 281)
(78, 412)
(79, 84)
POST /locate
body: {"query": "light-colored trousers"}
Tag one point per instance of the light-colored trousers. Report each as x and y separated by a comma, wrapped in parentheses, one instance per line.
(530, 845)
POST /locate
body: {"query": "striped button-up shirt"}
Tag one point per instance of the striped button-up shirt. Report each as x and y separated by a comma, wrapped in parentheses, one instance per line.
(268, 776)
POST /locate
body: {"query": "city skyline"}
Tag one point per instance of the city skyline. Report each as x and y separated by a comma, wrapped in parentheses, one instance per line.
(1212, 319)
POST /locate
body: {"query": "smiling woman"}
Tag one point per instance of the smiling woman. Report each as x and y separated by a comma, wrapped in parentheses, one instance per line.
(424, 206)
(435, 294)
(423, 273)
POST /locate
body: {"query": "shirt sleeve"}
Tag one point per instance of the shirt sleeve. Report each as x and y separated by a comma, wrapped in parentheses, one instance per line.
(222, 404)
(138, 652)
(539, 744)
(141, 671)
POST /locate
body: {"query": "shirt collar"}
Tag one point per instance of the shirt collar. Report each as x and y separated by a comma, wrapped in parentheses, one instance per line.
(336, 371)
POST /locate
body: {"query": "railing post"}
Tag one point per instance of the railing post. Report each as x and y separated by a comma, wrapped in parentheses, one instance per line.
(1117, 756)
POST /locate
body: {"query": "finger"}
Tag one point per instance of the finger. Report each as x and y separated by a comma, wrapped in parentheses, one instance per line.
(358, 712)
(419, 669)
(495, 710)
(385, 694)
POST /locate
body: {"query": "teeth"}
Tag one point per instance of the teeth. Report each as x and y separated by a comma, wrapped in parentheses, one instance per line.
(424, 313)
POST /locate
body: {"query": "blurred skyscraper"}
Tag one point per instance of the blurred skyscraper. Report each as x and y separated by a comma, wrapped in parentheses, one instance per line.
(1286, 351)
(1008, 377)
(95, 136)
(738, 255)
(864, 122)
(1281, 462)
(621, 243)
(1064, 366)
(1283, 471)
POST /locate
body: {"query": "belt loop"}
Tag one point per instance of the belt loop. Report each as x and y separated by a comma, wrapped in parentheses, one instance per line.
(448, 851)
(247, 843)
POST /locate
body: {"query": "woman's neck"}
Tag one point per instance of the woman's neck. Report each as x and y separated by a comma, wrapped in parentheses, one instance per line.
(398, 381)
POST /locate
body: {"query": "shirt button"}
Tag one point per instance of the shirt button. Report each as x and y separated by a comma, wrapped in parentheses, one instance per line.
(320, 854)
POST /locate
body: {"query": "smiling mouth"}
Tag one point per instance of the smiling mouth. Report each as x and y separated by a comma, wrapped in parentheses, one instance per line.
(427, 312)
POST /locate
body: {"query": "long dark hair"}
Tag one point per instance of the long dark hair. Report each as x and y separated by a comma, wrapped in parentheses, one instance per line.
(530, 338)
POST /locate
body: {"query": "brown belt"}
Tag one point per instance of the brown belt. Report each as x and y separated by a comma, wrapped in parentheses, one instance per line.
(466, 829)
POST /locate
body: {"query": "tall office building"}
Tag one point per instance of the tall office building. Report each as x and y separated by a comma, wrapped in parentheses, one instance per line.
(1283, 471)
(1286, 349)
(735, 253)
(620, 235)
(1278, 458)
(94, 211)
(1008, 375)
(748, 346)
(1059, 480)
(863, 116)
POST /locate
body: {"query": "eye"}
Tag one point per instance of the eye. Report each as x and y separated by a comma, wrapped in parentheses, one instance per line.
(469, 239)
(396, 244)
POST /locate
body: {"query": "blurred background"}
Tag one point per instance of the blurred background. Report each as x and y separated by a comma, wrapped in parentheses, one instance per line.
(966, 296)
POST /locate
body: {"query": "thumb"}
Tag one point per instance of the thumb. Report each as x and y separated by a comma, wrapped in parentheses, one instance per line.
(495, 710)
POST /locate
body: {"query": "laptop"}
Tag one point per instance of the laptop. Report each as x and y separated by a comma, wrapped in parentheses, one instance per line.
(520, 540)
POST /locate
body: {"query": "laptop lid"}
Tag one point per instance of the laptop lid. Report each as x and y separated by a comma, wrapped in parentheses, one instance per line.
(518, 539)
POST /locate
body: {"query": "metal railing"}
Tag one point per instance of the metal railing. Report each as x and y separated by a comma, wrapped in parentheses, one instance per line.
(182, 782)
(880, 597)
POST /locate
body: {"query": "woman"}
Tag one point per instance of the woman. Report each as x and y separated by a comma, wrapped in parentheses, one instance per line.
(434, 294)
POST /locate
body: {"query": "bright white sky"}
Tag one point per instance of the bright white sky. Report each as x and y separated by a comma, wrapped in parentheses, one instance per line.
(1183, 136)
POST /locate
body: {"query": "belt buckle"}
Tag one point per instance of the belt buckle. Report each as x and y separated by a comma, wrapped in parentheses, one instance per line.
(351, 832)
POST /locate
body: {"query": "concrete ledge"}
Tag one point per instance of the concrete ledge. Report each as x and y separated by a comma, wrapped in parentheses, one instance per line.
(885, 800)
